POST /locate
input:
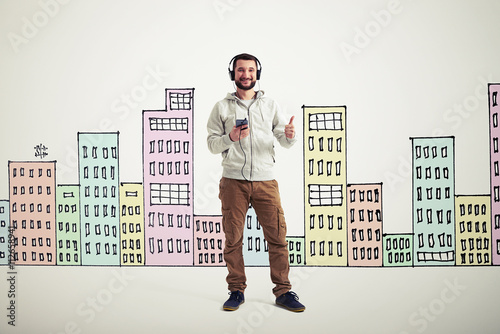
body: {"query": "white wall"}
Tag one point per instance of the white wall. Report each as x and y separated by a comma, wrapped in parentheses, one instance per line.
(403, 68)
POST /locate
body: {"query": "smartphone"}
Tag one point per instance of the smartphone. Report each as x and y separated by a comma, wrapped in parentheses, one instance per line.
(241, 122)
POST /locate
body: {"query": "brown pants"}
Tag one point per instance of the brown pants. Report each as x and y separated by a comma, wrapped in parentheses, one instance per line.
(236, 196)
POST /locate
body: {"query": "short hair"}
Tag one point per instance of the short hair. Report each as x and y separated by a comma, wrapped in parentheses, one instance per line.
(245, 56)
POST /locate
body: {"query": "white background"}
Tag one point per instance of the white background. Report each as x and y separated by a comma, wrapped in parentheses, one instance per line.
(404, 69)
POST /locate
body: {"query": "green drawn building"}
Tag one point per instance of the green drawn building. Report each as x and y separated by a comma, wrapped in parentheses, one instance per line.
(99, 198)
(68, 225)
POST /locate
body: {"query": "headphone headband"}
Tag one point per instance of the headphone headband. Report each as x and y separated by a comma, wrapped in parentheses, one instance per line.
(231, 71)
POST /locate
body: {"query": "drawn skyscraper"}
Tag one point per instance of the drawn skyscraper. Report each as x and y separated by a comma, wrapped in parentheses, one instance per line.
(132, 224)
(473, 230)
(208, 241)
(99, 198)
(32, 211)
(364, 224)
(68, 225)
(4, 232)
(325, 182)
(255, 249)
(493, 90)
(433, 200)
(168, 180)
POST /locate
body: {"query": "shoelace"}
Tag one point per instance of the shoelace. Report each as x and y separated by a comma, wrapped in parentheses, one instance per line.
(234, 295)
(293, 295)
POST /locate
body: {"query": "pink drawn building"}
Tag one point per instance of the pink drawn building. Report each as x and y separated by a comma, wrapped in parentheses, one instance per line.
(168, 180)
(364, 226)
(32, 197)
(493, 90)
(208, 241)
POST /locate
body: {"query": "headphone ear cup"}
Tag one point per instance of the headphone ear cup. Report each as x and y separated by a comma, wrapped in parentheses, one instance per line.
(231, 75)
(258, 74)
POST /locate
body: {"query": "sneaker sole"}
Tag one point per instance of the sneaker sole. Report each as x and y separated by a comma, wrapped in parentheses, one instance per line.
(302, 309)
(228, 308)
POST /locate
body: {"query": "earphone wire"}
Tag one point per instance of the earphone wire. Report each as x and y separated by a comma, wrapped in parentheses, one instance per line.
(244, 155)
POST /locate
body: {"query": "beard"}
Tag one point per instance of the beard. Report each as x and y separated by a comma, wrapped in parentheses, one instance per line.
(240, 85)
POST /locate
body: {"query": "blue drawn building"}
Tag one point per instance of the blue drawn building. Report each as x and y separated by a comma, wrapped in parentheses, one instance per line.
(255, 250)
(99, 198)
(4, 232)
(433, 209)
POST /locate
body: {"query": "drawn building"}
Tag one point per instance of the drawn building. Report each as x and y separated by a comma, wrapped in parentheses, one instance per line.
(68, 225)
(473, 229)
(364, 225)
(208, 241)
(398, 250)
(32, 211)
(296, 252)
(325, 182)
(4, 232)
(493, 90)
(255, 248)
(433, 210)
(168, 180)
(99, 198)
(132, 224)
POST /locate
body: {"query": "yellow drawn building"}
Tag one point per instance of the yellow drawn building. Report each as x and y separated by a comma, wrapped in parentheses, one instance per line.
(132, 224)
(325, 183)
(473, 230)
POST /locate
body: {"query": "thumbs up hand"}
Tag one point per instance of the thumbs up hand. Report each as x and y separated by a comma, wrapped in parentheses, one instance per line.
(290, 129)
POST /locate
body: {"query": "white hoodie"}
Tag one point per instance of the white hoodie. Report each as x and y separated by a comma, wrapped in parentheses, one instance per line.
(251, 158)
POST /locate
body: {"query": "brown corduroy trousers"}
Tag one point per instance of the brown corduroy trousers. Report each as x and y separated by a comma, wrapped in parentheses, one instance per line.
(236, 196)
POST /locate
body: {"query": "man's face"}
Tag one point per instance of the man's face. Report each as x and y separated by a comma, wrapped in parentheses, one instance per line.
(245, 74)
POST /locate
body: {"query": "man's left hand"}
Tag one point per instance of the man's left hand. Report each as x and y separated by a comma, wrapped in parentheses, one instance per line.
(290, 129)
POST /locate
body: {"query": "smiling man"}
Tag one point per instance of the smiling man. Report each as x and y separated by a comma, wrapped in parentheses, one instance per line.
(242, 127)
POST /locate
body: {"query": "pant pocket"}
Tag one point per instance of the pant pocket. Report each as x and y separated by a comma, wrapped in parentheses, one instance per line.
(281, 222)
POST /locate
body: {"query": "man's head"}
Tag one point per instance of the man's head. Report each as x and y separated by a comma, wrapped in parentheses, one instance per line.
(246, 71)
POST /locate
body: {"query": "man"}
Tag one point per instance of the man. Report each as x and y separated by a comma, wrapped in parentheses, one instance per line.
(247, 178)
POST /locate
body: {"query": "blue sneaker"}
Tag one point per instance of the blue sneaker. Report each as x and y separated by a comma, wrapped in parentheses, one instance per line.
(236, 298)
(290, 301)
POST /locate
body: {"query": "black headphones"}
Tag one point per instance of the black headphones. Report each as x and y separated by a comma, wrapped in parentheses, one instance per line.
(231, 72)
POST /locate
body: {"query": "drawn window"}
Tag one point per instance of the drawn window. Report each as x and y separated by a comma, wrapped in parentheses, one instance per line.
(320, 142)
(418, 152)
(339, 145)
(168, 124)
(325, 121)
(339, 249)
(320, 167)
(444, 152)
(325, 195)
(313, 248)
(172, 194)
(179, 101)
(495, 120)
